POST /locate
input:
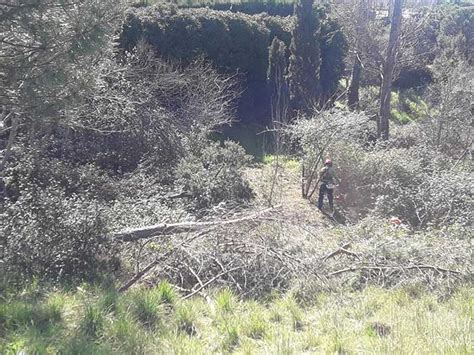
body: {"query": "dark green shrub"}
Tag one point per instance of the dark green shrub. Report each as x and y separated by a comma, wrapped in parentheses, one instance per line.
(35, 171)
(305, 58)
(143, 109)
(231, 41)
(333, 51)
(406, 178)
(412, 184)
(270, 7)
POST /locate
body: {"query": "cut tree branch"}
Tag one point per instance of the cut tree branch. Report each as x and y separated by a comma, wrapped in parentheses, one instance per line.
(210, 281)
(156, 261)
(341, 250)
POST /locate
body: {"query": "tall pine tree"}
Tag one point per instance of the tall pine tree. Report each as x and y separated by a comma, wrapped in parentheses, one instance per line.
(47, 52)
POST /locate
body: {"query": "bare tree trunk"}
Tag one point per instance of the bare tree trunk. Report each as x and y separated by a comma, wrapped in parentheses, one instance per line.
(386, 90)
(353, 94)
(361, 18)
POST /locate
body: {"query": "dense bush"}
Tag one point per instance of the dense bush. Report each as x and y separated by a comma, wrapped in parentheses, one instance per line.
(144, 109)
(214, 174)
(319, 136)
(251, 8)
(412, 184)
(445, 38)
(46, 234)
(33, 171)
(139, 119)
(448, 127)
(455, 38)
(231, 41)
(334, 48)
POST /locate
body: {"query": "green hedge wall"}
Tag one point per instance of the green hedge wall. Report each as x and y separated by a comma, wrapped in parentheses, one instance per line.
(234, 42)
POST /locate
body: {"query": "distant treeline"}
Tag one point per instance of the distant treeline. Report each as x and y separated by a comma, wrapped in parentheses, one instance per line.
(234, 42)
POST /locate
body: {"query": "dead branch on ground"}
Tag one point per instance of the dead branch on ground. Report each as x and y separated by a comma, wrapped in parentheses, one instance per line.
(185, 227)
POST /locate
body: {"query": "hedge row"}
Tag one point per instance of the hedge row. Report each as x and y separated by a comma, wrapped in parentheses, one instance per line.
(251, 8)
(234, 42)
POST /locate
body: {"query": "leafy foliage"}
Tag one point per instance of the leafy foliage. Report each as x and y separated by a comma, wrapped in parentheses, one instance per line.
(334, 48)
(233, 42)
(46, 54)
(448, 128)
(144, 110)
(48, 234)
(279, 90)
(214, 175)
(274, 8)
(413, 184)
(131, 117)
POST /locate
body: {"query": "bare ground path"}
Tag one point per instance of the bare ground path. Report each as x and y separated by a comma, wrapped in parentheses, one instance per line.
(286, 192)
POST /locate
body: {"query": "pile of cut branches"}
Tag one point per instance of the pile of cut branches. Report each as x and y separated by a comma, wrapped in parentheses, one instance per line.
(257, 253)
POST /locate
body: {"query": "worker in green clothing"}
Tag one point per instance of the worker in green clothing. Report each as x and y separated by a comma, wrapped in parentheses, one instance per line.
(328, 178)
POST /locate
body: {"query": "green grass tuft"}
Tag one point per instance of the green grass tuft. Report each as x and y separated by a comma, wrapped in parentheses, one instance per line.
(100, 321)
(126, 336)
(186, 317)
(147, 306)
(109, 302)
(166, 293)
(92, 323)
(255, 325)
(225, 301)
(231, 337)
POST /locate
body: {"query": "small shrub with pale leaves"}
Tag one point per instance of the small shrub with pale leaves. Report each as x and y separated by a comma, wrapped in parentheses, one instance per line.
(214, 175)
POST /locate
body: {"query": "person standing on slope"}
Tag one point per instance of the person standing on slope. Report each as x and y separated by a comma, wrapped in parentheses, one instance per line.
(328, 178)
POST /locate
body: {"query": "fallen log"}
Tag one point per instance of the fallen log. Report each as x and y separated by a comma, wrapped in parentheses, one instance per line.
(131, 235)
